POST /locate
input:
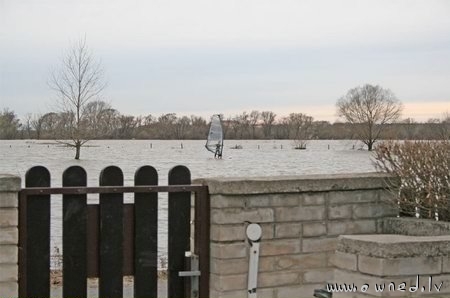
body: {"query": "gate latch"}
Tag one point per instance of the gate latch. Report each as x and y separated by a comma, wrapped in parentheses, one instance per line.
(194, 273)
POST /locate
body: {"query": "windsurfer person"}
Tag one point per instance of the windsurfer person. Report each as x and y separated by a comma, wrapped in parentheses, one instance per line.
(218, 153)
(214, 141)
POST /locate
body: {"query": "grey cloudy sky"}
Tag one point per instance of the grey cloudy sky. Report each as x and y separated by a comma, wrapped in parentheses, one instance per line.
(206, 56)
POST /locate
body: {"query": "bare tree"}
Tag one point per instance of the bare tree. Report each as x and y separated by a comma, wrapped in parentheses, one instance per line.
(181, 127)
(268, 118)
(199, 127)
(93, 112)
(110, 122)
(369, 108)
(48, 125)
(283, 128)
(227, 126)
(36, 124)
(244, 123)
(78, 80)
(27, 127)
(149, 120)
(444, 127)
(253, 119)
(301, 127)
(232, 124)
(127, 124)
(166, 125)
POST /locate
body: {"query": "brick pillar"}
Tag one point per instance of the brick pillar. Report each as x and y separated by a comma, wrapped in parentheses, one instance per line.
(9, 235)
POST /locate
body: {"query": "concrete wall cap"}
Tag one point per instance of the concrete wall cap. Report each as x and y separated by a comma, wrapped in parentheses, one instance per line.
(415, 227)
(394, 246)
(294, 184)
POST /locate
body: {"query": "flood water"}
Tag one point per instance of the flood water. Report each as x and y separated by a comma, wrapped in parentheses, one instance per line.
(256, 158)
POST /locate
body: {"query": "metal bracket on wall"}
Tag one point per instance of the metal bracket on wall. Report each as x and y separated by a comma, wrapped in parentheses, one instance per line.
(194, 273)
(254, 233)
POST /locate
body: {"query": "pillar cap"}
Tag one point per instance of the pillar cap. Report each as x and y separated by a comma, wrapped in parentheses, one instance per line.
(9, 183)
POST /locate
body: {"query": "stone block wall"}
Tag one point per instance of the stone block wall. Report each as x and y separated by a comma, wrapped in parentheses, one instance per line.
(301, 219)
(392, 265)
(9, 235)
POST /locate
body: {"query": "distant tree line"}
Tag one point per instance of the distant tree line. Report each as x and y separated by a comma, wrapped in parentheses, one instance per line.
(101, 121)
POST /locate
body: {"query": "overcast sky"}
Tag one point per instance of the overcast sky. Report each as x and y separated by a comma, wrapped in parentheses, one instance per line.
(206, 56)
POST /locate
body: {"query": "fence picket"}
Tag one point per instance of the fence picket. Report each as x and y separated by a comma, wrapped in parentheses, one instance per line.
(37, 235)
(111, 235)
(74, 235)
(146, 235)
(179, 231)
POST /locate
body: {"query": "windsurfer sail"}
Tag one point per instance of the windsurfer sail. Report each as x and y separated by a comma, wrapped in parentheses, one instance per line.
(214, 143)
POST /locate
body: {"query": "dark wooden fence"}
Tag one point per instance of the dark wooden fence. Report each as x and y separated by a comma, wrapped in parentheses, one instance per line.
(112, 239)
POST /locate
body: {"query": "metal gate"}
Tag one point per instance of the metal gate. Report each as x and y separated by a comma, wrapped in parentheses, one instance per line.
(111, 239)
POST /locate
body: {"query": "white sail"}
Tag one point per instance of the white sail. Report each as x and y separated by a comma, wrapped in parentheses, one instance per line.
(214, 142)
